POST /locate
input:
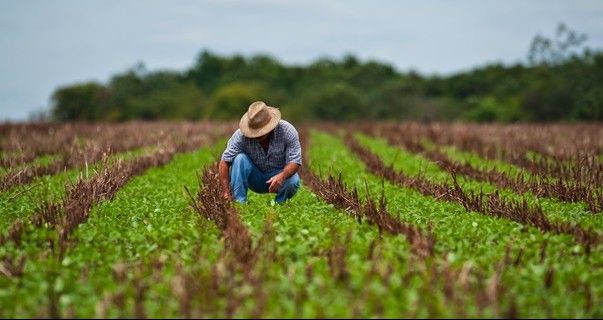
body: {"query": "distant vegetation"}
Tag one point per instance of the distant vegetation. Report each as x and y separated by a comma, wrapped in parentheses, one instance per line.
(561, 80)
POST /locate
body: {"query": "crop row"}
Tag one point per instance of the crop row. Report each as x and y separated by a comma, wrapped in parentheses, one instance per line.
(561, 189)
(81, 196)
(416, 164)
(453, 286)
(335, 250)
(563, 151)
(21, 200)
(490, 204)
(481, 239)
(98, 141)
(21, 143)
(217, 289)
(223, 288)
(62, 218)
(333, 190)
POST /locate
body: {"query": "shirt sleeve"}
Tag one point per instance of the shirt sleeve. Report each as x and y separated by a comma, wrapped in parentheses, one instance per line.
(234, 147)
(294, 152)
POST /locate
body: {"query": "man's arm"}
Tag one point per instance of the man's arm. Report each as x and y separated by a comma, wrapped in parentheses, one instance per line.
(233, 148)
(277, 180)
(293, 158)
(223, 170)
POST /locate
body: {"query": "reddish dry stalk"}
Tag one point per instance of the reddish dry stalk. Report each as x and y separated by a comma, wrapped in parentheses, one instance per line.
(334, 191)
(452, 282)
(211, 205)
(491, 204)
(560, 189)
(240, 255)
(107, 139)
(85, 193)
(67, 214)
(23, 142)
(567, 151)
(74, 209)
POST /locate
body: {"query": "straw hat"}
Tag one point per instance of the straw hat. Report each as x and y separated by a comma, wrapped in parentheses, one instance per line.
(259, 120)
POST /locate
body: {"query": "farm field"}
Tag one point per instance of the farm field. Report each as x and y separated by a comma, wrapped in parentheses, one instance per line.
(392, 220)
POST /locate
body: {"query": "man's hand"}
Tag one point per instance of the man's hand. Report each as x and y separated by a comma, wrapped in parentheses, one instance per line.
(276, 182)
(226, 195)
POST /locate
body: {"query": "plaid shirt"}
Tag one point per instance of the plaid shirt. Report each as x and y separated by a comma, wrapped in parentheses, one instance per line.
(284, 148)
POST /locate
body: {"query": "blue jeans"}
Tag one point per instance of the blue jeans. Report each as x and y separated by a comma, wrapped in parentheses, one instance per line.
(245, 175)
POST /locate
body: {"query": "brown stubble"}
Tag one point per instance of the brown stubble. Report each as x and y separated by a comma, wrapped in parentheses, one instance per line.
(490, 204)
(572, 186)
(334, 191)
(460, 286)
(566, 151)
(64, 216)
(99, 141)
(240, 256)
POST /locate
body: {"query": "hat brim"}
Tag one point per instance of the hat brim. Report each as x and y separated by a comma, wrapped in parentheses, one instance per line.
(275, 117)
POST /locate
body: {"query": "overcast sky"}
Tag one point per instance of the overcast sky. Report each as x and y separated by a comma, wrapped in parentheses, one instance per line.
(45, 44)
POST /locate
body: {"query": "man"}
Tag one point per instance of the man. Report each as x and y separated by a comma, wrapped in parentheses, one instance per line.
(263, 155)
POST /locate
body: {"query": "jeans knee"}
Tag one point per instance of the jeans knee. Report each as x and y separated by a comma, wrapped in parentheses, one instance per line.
(292, 184)
(241, 167)
(240, 159)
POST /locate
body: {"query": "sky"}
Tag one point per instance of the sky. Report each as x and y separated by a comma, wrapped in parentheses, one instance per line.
(48, 44)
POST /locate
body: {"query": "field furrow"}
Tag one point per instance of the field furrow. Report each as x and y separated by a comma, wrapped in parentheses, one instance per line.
(21, 201)
(98, 142)
(567, 152)
(59, 221)
(469, 236)
(558, 189)
(419, 166)
(382, 226)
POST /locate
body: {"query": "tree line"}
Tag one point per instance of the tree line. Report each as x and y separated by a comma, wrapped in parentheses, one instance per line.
(561, 80)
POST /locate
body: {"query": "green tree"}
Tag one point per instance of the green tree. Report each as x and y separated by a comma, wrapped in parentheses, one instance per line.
(85, 101)
(176, 101)
(231, 101)
(337, 101)
(590, 105)
(561, 80)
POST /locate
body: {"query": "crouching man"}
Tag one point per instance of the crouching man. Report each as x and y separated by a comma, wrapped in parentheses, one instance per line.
(263, 155)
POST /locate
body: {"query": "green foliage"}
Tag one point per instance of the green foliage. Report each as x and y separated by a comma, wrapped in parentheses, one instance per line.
(490, 109)
(86, 101)
(413, 164)
(336, 102)
(226, 102)
(147, 244)
(174, 101)
(22, 201)
(151, 214)
(561, 81)
(468, 236)
(590, 105)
